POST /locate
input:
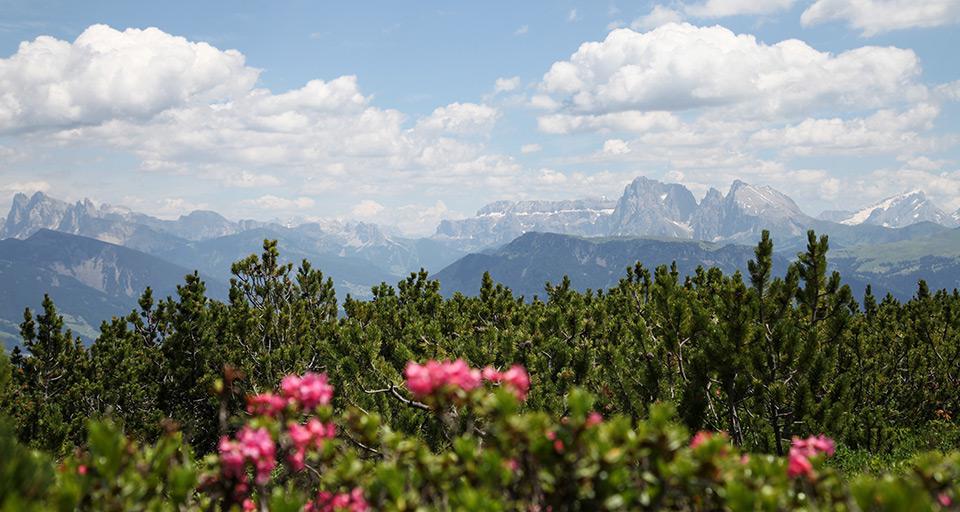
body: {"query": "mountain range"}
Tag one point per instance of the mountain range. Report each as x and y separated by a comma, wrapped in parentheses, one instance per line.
(95, 260)
(652, 208)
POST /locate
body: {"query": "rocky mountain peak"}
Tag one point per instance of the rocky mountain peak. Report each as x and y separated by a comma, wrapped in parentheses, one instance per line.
(900, 210)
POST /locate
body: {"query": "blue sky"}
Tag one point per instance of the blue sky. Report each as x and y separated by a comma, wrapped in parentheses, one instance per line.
(406, 113)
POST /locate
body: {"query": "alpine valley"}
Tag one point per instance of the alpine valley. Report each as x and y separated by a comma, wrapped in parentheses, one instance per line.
(96, 260)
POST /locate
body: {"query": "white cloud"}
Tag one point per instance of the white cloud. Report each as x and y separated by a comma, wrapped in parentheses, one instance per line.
(26, 187)
(272, 202)
(942, 187)
(724, 8)
(873, 17)
(523, 29)
(885, 131)
(631, 121)
(367, 209)
(949, 91)
(572, 16)
(506, 84)
(460, 118)
(526, 149)
(107, 74)
(615, 147)
(657, 16)
(680, 66)
(176, 206)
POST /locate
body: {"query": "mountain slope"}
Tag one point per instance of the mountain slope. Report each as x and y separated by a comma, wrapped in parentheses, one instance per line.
(89, 280)
(502, 221)
(651, 208)
(533, 259)
(899, 211)
(899, 265)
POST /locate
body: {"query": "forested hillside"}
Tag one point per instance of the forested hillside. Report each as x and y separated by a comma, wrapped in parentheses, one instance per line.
(757, 362)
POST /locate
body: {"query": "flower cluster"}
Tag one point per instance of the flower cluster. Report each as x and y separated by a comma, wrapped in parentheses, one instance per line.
(515, 379)
(266, 404)
(304, 392)
(308, 391)
(254, 446)
(801, 450)
(453, 376)
(329, 502)
(426, 379)
(304, 437)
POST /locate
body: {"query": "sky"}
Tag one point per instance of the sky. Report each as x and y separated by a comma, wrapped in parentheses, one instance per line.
(406, 113)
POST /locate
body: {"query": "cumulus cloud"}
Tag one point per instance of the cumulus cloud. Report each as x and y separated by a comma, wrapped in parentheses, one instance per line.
(873, 17)
(25, 187)
(107, 74)
(366, 209)
(462, 118)
(615, 147)
(527, 149)
(631, 121)
(885, 131)
(679, 66)
(506, 84)
(657, 16)
(272, 202)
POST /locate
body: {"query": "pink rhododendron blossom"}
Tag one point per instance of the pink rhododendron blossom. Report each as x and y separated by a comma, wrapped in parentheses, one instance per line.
(594, 419)
(254, 446)
(798, 464)
(231, 458)
(814, 445)
(249, 505)
(426, 379)
(515, 378)
(308, 391)
(329, 502)
(802, 449)
(81, 469)
(944, 500)
(304, 437)
(700, 437)
(265, 404)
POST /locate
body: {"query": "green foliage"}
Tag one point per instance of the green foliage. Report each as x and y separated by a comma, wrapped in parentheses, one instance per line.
(761, 357)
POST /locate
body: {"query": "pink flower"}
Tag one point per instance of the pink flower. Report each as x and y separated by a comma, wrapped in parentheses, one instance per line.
(231, 458)
(304, 437)
(517, 379)
(81, 469)
(265, 404)
(426, 379)
(594, 419)
(309, 391)
(944, 500)
(814, 445)
(700, 437)
(258, 447)
(327, 501)
(798, 464)
(249, 505)
(419, 379)
(511, 464)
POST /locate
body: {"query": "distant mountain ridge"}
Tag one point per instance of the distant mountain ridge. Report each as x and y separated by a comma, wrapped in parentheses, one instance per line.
(89, 280)
(649, 207)
(896, 211)
(530, 261)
